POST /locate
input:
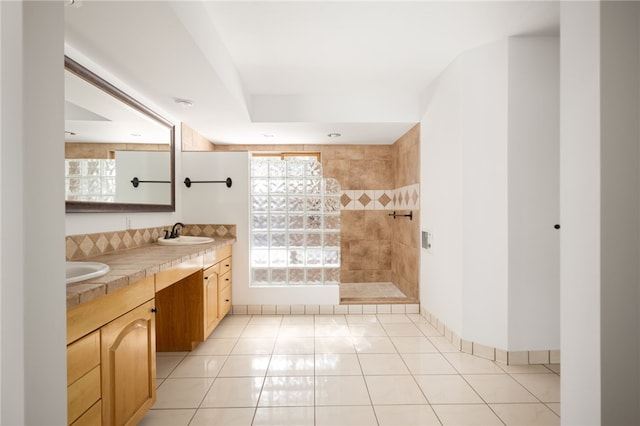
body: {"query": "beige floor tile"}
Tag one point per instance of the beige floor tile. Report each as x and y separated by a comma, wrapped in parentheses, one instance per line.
(555, 407)
(442, 344)
(554, 367)
(245, 366)
(254, 346)
(294, 345)
(494, 388)
(367, 330)
(546, 387)
(298, 320)
(417, 319)
(233, 392)
(361, 319)
(374, 345)
(167, 417)
(406, 415)
(291, 365)
(428, 330)
(394, 319)
(284, 416)
(345, 416)
(394, 390)
(166, 364)
(413, 344)
(334, 345)
(526, 414)
(182, 393)
(341, 390)
(287, 391)
(428, 364)
(260, 331)
(218, 346)
(265, 320)
(382, 364)
(470, 364)
(524, 369)
(338, 364)
(236, 320)
(296, 330)
(223, 417)
(402, 329)
(447, 389)
(199, 366)
(226, 331)
(467, 415)
(330, 320)
(330, 330)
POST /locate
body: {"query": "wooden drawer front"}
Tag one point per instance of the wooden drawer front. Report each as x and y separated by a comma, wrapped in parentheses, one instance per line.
(92, 417)
(217, 256)
(224, 301)
(224, 281)
(82, 394)
(225, 266)
(215, 269)
(82, 356)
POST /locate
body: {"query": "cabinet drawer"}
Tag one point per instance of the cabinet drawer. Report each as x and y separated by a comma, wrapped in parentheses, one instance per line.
(224, 301)
(216, 256)
(82, 394)
(92, 417)
(225, 266)
(82, 356)
(215, 269)
(224, 281)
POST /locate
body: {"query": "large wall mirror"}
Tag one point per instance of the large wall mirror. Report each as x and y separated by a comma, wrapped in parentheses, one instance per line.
(119, 155)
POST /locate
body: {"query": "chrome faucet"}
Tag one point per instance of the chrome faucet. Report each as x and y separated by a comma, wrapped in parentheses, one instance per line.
(175, 232)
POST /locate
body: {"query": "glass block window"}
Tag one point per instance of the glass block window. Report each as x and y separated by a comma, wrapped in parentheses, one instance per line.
(90, 179)
(295, 223)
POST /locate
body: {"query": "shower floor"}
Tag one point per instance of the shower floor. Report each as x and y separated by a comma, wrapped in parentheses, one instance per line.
(372, 293)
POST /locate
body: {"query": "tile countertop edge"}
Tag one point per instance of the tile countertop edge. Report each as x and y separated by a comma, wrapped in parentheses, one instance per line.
(131, 265)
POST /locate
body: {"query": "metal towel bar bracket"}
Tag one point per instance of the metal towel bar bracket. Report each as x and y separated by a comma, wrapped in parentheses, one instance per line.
(394, 215)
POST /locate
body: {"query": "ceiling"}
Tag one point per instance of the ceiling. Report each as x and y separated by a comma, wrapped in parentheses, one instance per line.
(268, 72)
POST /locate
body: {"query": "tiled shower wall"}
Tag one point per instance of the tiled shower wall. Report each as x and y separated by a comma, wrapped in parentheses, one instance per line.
(375, 180)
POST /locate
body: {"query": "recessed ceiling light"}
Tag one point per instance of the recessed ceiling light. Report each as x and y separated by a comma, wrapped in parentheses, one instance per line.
(334, 135)
(67, 132)
(136, 134)
(268, 135)
(184, 102)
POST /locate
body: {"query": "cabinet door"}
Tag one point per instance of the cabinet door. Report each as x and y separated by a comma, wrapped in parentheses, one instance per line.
(129, 366)
(211, 299)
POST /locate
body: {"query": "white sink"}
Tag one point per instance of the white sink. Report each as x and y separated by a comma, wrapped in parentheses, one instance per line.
(184, 240)
(80, 271)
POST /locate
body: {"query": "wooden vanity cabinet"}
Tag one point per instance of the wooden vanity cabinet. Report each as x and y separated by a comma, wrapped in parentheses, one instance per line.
(216, 288)
(111, 357)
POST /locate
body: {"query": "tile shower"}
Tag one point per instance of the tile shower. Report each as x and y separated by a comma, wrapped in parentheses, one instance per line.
(375, 180)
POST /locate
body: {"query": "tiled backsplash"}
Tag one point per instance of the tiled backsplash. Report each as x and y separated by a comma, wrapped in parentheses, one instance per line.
(88, 245)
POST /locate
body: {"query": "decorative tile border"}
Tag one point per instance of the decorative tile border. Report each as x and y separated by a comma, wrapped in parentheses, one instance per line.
(325, 309)
(494, 354)
(82, 246)
(405, 198)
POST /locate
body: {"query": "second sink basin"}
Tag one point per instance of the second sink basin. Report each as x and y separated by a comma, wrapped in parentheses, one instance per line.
(80, 271)
(184, 240)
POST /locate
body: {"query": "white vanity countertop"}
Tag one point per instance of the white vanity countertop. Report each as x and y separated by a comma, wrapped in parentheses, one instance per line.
(132, 265)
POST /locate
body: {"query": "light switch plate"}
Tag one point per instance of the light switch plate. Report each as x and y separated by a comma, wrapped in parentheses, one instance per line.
(427, 240)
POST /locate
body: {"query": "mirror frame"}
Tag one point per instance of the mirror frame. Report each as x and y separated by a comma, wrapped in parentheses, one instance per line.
(103, 207)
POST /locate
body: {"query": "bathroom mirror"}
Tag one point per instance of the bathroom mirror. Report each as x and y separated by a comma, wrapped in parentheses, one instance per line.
(119, 154)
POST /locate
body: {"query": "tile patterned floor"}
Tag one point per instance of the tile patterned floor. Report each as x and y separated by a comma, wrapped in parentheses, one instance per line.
(345, 370)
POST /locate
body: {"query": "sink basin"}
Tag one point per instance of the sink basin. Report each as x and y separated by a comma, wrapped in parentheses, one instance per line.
(184, 240)
(80, 271)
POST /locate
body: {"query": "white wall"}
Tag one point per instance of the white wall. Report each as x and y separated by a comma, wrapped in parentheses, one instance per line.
(600, 209)
(484, 198)
(33, 308)
(534, 193)
(145, 165)
(215, 203)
